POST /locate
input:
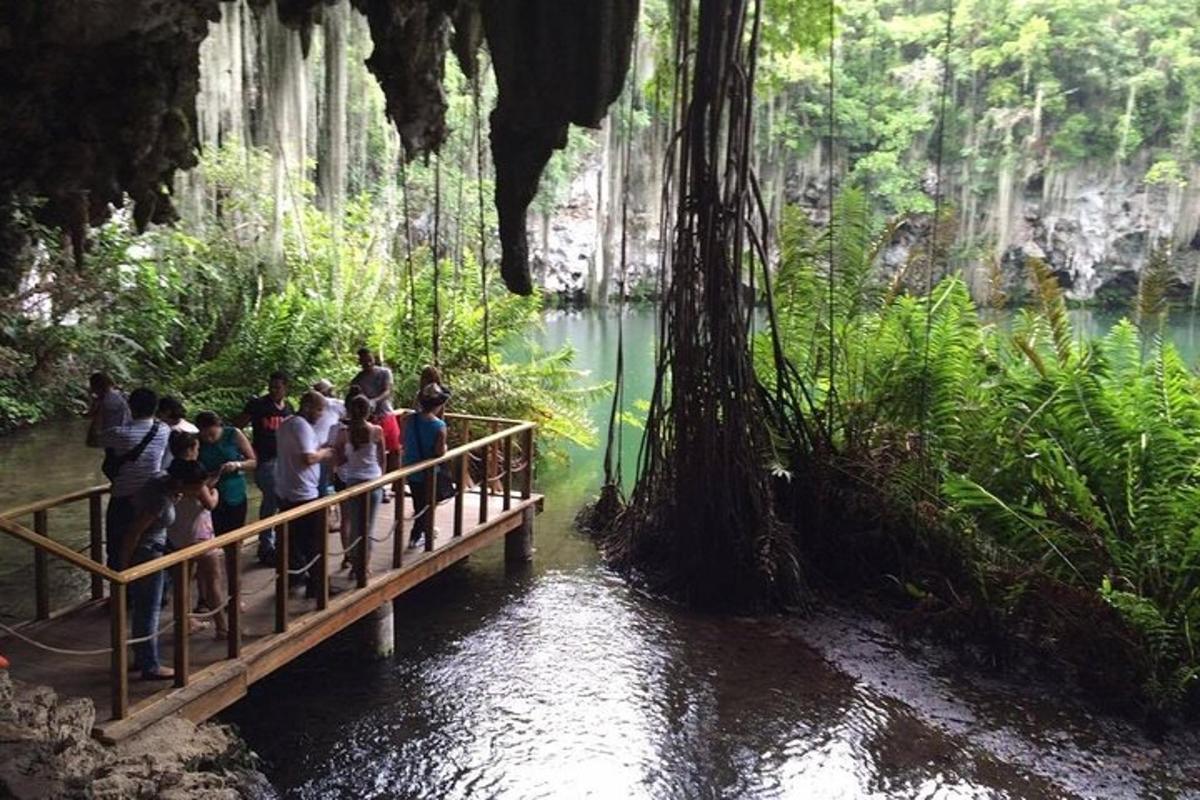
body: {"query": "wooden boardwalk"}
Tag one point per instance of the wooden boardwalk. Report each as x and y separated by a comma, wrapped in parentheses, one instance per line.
(275, 627)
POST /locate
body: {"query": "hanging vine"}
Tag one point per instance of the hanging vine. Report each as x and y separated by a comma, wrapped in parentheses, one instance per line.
(701, 524)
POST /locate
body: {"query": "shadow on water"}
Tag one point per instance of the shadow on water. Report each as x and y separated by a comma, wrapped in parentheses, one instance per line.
(559, 681)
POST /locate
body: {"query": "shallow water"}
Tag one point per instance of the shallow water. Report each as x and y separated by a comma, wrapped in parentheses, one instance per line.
(558, 680)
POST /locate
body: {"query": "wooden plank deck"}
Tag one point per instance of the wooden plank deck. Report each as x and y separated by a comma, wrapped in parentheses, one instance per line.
(215, 680)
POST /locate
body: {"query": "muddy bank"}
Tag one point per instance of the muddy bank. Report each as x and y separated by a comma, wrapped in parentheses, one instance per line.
(1022, 723)
(49, 752)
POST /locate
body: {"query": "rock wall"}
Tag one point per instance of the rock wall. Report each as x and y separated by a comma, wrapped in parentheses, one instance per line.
(47, 751)
(1094, 224)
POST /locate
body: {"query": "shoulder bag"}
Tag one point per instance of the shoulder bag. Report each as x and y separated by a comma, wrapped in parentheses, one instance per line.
(111, 466)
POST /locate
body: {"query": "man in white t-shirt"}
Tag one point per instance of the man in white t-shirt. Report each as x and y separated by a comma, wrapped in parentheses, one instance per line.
(326, 428)
(298, 462)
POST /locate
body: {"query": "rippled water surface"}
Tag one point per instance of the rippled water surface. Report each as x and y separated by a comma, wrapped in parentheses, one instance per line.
(558, 680)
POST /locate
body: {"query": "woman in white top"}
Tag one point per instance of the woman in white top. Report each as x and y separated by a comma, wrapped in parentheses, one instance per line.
(359, 455)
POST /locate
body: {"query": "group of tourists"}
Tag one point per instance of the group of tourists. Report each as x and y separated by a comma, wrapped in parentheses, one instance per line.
(176, 482)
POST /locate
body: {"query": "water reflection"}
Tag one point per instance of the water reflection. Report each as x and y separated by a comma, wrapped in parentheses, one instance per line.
(560, 681)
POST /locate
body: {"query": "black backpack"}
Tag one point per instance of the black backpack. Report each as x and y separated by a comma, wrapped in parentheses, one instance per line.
(111, 466)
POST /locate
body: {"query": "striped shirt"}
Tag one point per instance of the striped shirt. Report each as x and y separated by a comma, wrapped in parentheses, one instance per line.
(135, 474)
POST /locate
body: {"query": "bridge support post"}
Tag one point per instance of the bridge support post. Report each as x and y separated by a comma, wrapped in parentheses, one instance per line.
(518, 543)
(378, 632)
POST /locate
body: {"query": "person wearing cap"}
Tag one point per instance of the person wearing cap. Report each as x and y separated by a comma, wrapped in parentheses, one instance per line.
(194, 522)
(424, 438)
(297, 473)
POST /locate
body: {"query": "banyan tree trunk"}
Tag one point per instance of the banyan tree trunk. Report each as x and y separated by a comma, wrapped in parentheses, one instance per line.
(701, 523)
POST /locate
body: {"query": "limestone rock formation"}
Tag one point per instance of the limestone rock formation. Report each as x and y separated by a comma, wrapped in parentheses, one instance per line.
(47, 751)
(556, 63)
(97, 100)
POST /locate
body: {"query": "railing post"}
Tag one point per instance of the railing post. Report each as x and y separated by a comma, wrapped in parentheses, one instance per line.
(41, 567)
(361, 555)
(96, 526)
(283, 534)
(182, 592)
(527, 446)
(233, 603)
(460, 494)
(483, 486)
(507, 480)
(398, 538)
(431, 511)
(323, 585)
(120, 651)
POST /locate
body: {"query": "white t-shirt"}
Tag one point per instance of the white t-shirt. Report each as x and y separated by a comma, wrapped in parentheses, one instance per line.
(326, 425)
(294, 480)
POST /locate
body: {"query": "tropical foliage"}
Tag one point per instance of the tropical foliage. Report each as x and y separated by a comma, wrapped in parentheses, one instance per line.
(1043, 483)
(196, 311)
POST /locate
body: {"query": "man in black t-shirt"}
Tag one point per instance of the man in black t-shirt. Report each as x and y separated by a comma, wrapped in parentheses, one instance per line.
(264, 415)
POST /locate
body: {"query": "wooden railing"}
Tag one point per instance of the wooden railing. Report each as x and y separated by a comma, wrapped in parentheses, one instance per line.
(494, 446)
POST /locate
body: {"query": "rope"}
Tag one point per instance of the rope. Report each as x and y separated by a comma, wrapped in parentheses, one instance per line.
(436, 340)
(483, 274)
(305, 568)
(937, 214)
(832, 233)
(616, 427)
(408, 254)
(64, 651)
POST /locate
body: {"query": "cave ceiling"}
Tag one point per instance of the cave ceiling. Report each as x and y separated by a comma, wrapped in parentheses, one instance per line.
(98, 99)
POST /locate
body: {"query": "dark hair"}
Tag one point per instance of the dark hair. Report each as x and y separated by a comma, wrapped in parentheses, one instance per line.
(170, 407)
(187, 472)
(430, 374)
(358, 409)
(180, 442)
(278, 375)
(100, 382)
(312, 399)
(365, 351)
(207, 419)
(142, 403)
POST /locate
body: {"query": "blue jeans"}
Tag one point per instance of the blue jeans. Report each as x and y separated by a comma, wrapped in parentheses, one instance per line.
(352, 516)
(264, 479)
(147, 603)
(325, 481)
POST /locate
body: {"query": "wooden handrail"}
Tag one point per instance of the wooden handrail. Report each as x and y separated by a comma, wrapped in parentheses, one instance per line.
(236, 536)
(55, 549)
(60, 500)
(10, 526)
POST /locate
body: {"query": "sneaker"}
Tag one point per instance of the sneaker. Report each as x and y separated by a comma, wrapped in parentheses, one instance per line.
(414, 543)
(160, 674)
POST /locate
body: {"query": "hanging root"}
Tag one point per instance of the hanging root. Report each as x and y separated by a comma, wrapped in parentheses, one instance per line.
(600, 515)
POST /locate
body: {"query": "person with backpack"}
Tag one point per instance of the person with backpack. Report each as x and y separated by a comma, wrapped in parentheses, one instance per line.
(135, 453)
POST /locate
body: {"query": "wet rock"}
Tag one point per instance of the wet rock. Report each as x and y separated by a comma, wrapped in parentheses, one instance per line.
(48, 752)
